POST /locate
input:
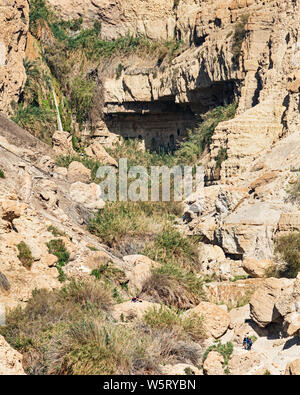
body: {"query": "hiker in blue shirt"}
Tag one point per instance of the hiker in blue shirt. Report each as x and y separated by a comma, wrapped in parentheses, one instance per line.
(249, 344)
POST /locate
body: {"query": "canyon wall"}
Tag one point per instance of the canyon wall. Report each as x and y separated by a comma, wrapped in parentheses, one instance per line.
(14, 22)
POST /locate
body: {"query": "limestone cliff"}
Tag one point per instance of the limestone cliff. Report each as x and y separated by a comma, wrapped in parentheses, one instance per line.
(263, 76)
(14, 21)
(246, 51)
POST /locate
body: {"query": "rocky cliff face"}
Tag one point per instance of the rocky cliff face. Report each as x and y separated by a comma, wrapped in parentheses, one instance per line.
(263, 75)
(247, 50)
(14, 20)
(154, 19)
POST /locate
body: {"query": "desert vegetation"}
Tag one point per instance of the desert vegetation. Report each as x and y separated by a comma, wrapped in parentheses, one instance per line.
(75, 334)
(239, 37)
(57, 247)
(294, 191)
(80, 94)
(25, 255)
(175, 287)
(224, 349)
(287, 252)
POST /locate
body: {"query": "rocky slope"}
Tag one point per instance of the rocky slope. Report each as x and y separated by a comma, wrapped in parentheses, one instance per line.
(246, 204)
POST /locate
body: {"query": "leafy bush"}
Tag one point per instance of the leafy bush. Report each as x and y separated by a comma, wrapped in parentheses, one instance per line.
(111, 274)
(119, 70)
(57, 247)
(55, 231)
(2, 175)
(25, 255)
(287, 249)
(221, 157)
(38, 11)
(37, 120)
(224, 349)
(121, 221)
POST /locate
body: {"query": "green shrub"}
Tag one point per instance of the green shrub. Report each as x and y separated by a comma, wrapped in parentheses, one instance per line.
(119, 70)
(191, 326)
(224, 349)
(175, 287)
(119, 221)
(57, 247)
(110, 273)
(41, 122)
(239, 37)
(170, 246)
(25, 255)
(221, 157)
(82, 95)
(199, 138)
(287, 249)
(38, 11)
(55, 231)
(2, 175)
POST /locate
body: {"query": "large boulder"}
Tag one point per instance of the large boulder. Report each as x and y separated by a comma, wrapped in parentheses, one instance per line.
(97, 151)
(89, 195)
(62, 143)
(215, 319)
(138, 270)
(248, 362)
(239, 315)
(262, 303)
(291, 323)
(257, 267)
(180, 369)
(213, 365)
(78, 172)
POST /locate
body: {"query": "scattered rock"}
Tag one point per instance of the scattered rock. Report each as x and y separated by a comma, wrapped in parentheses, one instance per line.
(138, 270)
(87, 195)
(257, 268)
(215, 320)
(262, 303)
(97, 151)
(77, 172)
(213, 365)
(62, 143)
(246, 362)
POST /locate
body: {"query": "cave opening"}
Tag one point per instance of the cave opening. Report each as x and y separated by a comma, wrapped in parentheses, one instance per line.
(161, 125)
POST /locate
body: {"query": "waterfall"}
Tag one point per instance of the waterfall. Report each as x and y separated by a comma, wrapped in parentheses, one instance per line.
(60, 128)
